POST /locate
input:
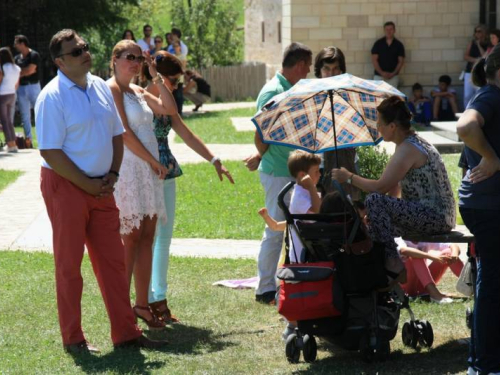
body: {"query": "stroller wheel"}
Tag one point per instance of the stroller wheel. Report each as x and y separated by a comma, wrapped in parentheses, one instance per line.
(367, 350)
(292, 351)
(407, 334)
(383, 350)
(310, 349)
(468, 317)
(427, 334)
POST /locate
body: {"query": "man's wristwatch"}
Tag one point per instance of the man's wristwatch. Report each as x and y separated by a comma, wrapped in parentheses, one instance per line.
(349, 180)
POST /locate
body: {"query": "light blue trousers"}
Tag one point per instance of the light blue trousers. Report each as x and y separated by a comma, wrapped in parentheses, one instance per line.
(26, 99)
(161, 249)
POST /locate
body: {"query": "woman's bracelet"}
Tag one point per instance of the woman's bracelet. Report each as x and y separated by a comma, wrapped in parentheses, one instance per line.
(214, 159)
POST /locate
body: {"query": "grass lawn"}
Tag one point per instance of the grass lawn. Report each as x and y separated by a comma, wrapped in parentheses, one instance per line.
(223, 332)
(207, 208)
(216, 127)
(8, 177)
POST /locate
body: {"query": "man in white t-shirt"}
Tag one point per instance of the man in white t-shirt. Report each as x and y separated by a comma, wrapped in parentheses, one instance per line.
(80, 139)
(147, 43)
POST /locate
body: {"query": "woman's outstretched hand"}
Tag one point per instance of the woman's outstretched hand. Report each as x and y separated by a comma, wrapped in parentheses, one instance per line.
(151, 63)
(485, 169)
(341, 175)
(222, 171)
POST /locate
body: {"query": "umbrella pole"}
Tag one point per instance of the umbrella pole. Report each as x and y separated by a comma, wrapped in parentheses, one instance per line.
(330, 94)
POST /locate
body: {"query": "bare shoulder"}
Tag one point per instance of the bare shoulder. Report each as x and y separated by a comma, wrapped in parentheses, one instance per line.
(137, 89)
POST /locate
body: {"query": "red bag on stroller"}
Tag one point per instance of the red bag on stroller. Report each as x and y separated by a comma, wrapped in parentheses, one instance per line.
(306, 291)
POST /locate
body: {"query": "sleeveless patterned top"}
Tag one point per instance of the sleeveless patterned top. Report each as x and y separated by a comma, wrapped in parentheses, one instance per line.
(162, 127)
(429, 185)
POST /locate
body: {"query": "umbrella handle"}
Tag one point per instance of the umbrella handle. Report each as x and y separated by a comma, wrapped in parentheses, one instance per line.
(330, 94)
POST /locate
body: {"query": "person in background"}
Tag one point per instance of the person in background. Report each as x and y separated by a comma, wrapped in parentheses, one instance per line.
(388, 56)
(479, 204)
(146, 43)
(475, 50)
(445, 100)
(426, 264)
(420, 105)
(171, 70)
(179, 49)
(29, 87)
(494, 39)
(158, 40)
(271, 161)
(9, 81)
(197, 89)
(128, 35)
(330, 62)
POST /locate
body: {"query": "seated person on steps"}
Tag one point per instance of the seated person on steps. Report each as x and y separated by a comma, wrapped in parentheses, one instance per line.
(445, 100)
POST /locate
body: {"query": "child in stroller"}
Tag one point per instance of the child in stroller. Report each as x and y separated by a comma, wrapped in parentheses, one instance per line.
(367, 312)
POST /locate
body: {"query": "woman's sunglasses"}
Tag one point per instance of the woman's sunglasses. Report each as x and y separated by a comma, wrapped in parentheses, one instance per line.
(131, 57)
(77, 51)
(174, 81)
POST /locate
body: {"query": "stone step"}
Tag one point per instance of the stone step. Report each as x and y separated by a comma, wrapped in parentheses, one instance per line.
(447, 129)
(444, 145)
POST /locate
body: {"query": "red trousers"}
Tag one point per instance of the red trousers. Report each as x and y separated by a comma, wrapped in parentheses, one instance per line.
(79, 219)
(420, 274)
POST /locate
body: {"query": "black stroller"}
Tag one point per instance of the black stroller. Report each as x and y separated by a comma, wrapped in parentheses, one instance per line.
(366, 310)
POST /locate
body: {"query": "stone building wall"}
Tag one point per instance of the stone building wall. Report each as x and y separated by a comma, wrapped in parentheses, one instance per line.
(435, 32)
(262, 32)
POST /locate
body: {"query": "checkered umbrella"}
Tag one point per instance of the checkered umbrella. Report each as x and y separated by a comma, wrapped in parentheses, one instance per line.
(319, 115)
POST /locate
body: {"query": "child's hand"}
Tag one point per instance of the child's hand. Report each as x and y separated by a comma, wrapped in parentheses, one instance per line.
(263, 212)
(306, 182)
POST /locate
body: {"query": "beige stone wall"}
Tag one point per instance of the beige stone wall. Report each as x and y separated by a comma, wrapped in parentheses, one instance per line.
(435, 32)
(268, 12)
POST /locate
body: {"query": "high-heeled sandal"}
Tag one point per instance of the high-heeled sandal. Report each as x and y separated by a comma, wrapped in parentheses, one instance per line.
(154, 323)
(162, 312)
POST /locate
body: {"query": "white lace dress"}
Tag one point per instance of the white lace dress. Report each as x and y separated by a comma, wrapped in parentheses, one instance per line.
(139, 191)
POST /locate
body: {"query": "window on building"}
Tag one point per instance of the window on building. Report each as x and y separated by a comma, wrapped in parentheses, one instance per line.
(263, 28)
(279, 31)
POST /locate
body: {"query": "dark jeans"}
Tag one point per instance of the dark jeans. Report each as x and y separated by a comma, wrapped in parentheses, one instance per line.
(484, 351)
(179, 97)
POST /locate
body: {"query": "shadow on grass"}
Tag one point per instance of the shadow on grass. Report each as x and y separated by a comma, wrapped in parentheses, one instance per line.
(121, 361)
(448, 358)
(182, 340)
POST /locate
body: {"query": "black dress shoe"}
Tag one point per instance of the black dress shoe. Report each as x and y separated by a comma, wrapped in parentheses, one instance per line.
(83, 347)
(267, 298)
(142, 342)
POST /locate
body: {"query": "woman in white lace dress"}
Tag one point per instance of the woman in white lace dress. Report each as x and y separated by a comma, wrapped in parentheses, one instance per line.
(139, 190)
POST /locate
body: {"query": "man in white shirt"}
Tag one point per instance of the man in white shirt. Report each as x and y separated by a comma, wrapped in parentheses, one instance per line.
(146, 43)
(80, 139)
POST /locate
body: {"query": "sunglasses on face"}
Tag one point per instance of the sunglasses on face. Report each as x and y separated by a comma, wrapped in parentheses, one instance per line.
(131, 57)
(157, 41)
(174, 81)
(77, 51)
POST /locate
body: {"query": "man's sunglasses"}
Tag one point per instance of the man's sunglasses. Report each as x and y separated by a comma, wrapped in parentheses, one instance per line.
(77, 51)
(131, 57)
(158, 41)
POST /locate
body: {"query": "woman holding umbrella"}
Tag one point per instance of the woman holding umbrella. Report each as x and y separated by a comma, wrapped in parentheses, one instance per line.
(426, 204)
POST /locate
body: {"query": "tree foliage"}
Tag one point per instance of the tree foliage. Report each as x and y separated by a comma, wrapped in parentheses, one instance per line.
(209, 28)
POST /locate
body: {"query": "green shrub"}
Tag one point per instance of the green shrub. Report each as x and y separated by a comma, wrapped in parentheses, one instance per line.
(372, 161)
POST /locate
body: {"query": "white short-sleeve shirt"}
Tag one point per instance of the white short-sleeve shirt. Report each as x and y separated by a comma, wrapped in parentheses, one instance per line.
(300, 203)
(81, 123)
(11, 74)
(144, 45)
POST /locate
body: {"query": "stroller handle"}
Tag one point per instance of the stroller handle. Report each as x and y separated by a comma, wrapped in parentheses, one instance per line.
(319, 217)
